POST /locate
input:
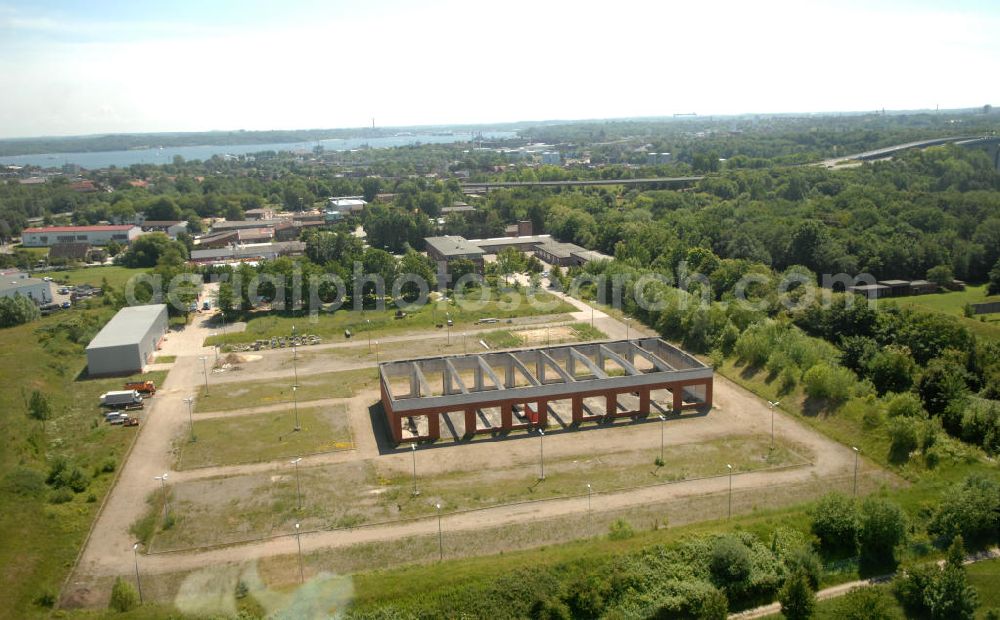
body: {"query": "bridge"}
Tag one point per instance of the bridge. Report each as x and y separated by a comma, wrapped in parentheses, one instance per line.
(476, 188)
(990, 143)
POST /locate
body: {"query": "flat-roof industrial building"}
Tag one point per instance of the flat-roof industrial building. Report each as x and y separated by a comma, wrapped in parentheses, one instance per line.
(501, 391)
(128, 341)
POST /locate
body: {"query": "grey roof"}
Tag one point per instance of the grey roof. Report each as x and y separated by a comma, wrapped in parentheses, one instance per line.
(867, 287)
(15, 281)
(591, 255)
(894, 282)
(128, 326)
(257, 250)
(560, 250)
(236, 224)
(452, 246)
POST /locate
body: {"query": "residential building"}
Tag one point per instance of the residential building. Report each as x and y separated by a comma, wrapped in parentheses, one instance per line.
(449, 248)
(127, 343)
(552, 158)
(94, 235)
(348, 205)
(246, 253)
(18, 283)
(259, 214)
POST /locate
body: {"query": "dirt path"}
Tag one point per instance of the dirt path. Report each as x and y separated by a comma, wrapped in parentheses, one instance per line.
(844, 588)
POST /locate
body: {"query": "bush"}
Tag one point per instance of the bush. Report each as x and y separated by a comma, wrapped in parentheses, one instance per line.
(61, 496)
(620, 530)
(868, 603)
(804, 560)
(906, 405)
(798, 602)
(836, 523)
(123, 596)
(832, 383)
(904, 434)
(109, 465)
(550, 609)
(45, 599)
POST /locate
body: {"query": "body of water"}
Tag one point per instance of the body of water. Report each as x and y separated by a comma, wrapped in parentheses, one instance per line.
(166, 155)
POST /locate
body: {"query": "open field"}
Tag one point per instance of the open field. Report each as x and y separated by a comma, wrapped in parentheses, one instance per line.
(219, 510)
(332, 325)
(164, 359)
(264, 437)
(116, 276)
(953, 303)
(42, 537)
(243, 394)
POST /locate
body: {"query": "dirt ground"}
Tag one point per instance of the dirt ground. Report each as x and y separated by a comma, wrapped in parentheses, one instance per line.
(108, 550)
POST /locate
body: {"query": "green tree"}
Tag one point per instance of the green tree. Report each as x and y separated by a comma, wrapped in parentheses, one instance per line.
(970, 510)
(459, 268)
(836, 523)
(798, 601)
(883, 528)
(17, 310)
(941, 383)
(994, 286)
(370, 187)
(730, 564)
(39, 407)
(950, 597)
(892, 369)
(942, 275)
(867, 603)
(147, 250)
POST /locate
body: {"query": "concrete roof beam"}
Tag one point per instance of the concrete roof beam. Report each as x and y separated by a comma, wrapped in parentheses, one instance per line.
(450, 369)
(614, 357)
(591, 366)
(548, 361)
(488, 371)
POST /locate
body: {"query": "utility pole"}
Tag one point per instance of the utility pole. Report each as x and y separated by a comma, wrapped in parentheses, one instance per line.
(730, 491)
(295, 405)
(772, 405)
(856, 453)
(190, 403)
(663, 422)
(541, 454)
(413, 451)
(440, 541)
(298, 541)
(163, 489)
(295, 357)
(204, 369)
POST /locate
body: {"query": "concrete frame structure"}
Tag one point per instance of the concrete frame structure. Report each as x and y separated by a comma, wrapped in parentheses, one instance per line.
(528, 380)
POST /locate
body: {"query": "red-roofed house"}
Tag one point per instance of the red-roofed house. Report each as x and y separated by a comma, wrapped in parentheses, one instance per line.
(94, 235)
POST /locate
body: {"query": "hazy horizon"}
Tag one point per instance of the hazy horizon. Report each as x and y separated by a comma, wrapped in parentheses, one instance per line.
(74, 69)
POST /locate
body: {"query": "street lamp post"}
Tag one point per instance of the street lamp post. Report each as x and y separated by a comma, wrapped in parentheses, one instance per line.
(464, 348)
(541, 454)
(204, 369)
(447, 324)
(440, 541)
(215, 349)
(730, 491)
(856, 453)
(376, 355)
(295, 406)
(591, 315)
(298, 541)
(772, 405)
(295, 357)
(590, 492)
(413, 451)
(369, 323)
(163, 489)
(628, 324)
(298, 487)
(135, 558)
(190, 403)
(663, 422)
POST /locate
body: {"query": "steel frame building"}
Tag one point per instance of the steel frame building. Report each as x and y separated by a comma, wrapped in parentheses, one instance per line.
(522, 384)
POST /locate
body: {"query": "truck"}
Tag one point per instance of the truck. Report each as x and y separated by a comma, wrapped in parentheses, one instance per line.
(122, 399)
(143, 387)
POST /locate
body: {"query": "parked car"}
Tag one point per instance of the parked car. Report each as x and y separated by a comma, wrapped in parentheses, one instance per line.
(66, 305)
(64, 291)
(206, 306)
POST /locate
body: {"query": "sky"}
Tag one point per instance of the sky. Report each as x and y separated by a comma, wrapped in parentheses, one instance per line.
(102, 66)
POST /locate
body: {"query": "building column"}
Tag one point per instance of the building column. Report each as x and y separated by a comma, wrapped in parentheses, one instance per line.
(577, 409)
(611, 399)
(506, 416)
(434, 426)
(470, 421)
(644, 401)
(708, 393)
(396, 426)
(678, 392)
(543, 413)
(478, 374)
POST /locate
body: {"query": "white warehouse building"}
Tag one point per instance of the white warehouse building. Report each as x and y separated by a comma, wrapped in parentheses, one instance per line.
(94, 235)
(128, 341)
(17, 283)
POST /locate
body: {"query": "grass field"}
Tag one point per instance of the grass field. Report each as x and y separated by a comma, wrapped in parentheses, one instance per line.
(265, 437)
(332, 325)
(953, 303)
(116, 276)
(165, 359)
(41, 538)
(354, 493)
(244, 394)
